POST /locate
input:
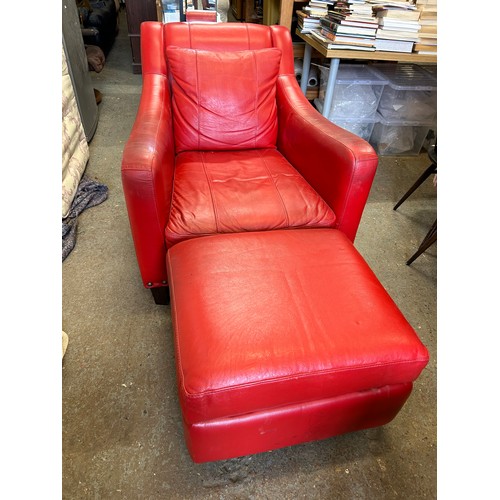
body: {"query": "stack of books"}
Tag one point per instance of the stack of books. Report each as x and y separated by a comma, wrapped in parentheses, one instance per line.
(318, 8)
(308, 18)
(305, 22)
(398, 25)
(345, 27)
(427, 35)
(360, 9)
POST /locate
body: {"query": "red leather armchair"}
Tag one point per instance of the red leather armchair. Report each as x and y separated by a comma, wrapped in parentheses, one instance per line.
(225, 141)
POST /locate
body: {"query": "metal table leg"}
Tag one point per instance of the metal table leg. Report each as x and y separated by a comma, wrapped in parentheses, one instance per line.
(330, 86)
(306, 65)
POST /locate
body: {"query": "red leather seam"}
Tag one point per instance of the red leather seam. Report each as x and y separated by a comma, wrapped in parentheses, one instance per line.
(248, 36)
(197, 96)
(155, 155)
(294, 377)
(347, 197)
(286, 406)
(175, 326)
(256, 121)
(287, 218)
(170, 206)
(209, 182)
(190, 39)
(164, 46)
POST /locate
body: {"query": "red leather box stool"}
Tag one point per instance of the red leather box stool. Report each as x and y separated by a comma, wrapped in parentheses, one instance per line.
(284, 337)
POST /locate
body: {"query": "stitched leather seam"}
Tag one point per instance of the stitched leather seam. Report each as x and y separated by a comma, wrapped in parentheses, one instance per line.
(175, 325)
(299, 377)
(209, 182)
(190, 40)
(287, 218)
(163, 108)
(248, 36)
(255, 117)
(198, 99)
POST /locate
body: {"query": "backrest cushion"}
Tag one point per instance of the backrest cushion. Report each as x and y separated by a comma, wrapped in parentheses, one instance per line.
(224, 100)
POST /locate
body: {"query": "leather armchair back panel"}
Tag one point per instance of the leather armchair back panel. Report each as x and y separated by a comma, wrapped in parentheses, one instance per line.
(230, 36)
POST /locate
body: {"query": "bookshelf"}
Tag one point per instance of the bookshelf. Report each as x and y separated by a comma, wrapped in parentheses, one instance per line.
(286, 9)
(138, 11)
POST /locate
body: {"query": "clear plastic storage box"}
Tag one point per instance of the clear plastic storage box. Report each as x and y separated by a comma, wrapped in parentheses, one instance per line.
(398, 137)
(430, 68)
(411, 92)
(361, 126)
(356, 93)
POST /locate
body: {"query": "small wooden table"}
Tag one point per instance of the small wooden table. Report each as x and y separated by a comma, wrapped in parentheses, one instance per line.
(336, 55)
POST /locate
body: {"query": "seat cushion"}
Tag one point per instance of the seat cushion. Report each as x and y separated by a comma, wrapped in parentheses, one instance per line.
(251, 190)
(224, 100)
(271, 319)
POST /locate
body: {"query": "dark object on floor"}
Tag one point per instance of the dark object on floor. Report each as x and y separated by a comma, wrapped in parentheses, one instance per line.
(98, 96)
(99, 22)
(89, 194)
(95, 58)
(431, 236)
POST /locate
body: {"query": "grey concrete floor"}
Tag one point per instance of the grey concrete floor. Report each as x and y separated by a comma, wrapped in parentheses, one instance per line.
(121, 424)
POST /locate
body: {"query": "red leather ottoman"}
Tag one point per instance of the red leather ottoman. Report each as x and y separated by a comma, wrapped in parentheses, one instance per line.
(284, 337)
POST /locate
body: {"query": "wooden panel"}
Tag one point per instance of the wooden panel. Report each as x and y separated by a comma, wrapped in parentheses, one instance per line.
(159, 11)
(138, 11)
(286, 11)
(271, 12)
(237, 9)
(135, 45)
(248, 10)
(243, 10)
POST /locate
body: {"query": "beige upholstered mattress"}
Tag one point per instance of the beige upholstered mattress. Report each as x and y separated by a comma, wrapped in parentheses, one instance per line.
(75, 150)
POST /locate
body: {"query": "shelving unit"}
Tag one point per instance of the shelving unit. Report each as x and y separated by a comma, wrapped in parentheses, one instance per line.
(138, 11)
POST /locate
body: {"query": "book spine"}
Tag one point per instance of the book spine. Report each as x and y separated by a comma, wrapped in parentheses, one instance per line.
(331, 25)
(327, 34)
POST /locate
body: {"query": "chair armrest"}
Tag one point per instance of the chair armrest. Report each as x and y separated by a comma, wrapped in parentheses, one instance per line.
(147, 178)
(339, 165)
